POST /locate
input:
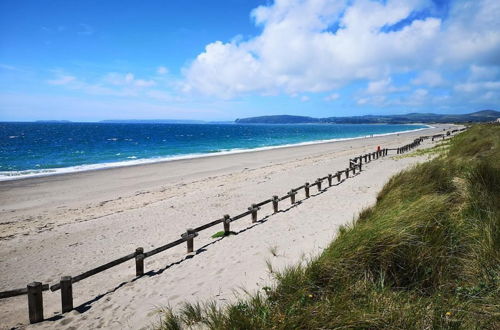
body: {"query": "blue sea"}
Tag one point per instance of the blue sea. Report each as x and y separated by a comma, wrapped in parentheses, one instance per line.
(29, 149)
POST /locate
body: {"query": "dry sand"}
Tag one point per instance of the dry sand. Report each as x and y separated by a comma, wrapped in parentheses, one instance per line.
(67, 224)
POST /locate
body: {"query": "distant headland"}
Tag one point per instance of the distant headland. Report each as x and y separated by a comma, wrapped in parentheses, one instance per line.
(478, 116)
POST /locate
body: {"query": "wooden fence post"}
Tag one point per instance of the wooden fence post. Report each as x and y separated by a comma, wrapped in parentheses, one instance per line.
(66, 294)
(254, 210)
(227, 223)
(139, 261)
(338, 176)
(292, 196)
(330, 177)
(319, 184)
(346, 172)
(190, 241)
(360, 166)
(275, 203)
(306, 189)
(35, 302)
(354, 170)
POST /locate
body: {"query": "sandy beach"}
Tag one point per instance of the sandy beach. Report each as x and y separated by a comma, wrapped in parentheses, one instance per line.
(66, 224)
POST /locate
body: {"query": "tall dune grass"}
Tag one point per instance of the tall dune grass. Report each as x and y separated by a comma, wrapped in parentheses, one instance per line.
(427, 255)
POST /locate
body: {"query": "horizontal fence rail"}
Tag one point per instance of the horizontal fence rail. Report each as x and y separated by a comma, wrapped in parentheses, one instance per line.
(34, 290)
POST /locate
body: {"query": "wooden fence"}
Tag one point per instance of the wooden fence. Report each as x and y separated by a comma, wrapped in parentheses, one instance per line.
(35, 290)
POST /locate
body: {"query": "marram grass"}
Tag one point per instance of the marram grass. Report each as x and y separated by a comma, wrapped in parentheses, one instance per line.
(426, 256)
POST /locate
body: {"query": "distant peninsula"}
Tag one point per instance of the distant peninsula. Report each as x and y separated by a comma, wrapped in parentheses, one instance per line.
(478, 116)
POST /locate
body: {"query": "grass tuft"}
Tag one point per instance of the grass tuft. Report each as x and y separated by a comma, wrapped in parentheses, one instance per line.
(222, 233)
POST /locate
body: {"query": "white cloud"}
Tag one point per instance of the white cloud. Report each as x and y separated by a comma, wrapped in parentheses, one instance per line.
(332, 97)
(127, 79)
(298, 51)
(382, 86)
(478, 86)
(428, 78)
(376, 100)
(111, 84)
(304, 98)
(483, 73)
(482, 81)
(62, 80)
(162, 70)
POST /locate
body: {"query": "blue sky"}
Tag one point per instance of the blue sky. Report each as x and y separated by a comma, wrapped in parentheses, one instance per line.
(220, 60)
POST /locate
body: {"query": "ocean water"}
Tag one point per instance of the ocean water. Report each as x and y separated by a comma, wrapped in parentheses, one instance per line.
(28, 149)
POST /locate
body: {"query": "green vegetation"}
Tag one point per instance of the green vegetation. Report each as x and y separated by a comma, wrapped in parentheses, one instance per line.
(440, 149)
(409, 118)
(427, 255)
(222, 233)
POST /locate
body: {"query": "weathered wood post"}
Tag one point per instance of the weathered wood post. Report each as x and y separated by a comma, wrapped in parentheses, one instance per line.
(338, 176)
(275, 203)
(292, 194)
(370, 157)
(254, 208)
(330, 177)
(360, 166)
(346, 172)
(190, 240)
(227, 224)
(35, 302)
(66, 294)
(306, 189)
(318, 181)
(139, 261)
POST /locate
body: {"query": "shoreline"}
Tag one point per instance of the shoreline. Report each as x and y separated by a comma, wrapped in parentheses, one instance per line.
(146, 161)
(67, 224)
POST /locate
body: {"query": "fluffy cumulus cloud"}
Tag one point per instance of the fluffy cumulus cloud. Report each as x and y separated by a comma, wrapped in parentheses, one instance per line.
(321, 45)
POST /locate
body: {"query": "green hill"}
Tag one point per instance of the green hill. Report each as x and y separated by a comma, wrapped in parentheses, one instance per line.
(479, 116)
